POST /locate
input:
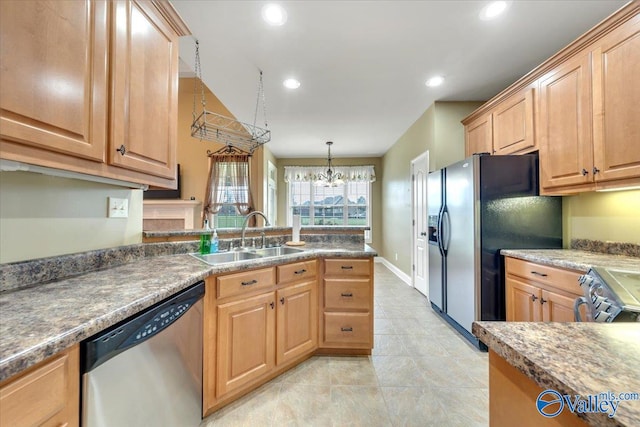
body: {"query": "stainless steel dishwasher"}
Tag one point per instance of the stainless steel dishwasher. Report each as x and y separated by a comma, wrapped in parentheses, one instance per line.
(147, 370)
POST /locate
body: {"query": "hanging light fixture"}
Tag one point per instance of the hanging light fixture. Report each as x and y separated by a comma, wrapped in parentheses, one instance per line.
(329, 178)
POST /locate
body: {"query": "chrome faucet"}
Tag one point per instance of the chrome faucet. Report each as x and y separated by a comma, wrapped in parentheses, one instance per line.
(246, 220)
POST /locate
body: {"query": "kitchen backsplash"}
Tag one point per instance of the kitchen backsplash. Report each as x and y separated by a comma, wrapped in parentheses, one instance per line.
(612, 248)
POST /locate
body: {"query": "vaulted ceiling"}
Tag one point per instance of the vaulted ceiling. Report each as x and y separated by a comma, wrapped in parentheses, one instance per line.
(363, 64)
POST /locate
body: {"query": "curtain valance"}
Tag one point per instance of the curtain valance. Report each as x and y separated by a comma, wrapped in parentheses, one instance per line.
(310, 173)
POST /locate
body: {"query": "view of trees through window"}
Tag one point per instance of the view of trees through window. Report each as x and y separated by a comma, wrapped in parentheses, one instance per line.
(344, 205)
(228, 215)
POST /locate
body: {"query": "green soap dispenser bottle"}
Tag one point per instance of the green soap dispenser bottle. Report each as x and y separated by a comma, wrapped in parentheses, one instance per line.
(205, 239)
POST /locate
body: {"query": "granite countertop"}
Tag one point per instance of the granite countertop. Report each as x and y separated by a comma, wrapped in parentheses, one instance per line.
(574, 259)
(573, 358)
(39, 321)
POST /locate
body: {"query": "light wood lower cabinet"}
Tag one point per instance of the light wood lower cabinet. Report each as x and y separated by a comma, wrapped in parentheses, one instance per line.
(512, 399)
(256, 327)
(48, 394)
(540, 293)
(347, 306)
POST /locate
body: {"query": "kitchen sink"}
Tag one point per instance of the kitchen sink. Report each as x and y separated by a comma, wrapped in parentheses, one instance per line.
(277, 251)
(246, 254)
(221, 257)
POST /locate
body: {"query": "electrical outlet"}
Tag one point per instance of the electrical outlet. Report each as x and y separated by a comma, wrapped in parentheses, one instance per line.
(396, 256)
(118, 208)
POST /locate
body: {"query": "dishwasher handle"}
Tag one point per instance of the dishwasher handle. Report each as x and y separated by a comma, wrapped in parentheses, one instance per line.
(142, 326)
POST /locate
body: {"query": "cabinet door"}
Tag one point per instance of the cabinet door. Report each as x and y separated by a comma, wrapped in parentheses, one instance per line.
(297, 325)
(566, 155)
(557, 308)
(616, 103)
(145, 90)
(53, 84)
(522, 301)
(478, 136)
(246, 341)
(513, 124)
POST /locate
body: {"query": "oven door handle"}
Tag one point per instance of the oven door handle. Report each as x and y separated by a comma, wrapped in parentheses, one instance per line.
(576, 308)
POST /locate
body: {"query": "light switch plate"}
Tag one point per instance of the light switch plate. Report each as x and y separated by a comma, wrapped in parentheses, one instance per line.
(118, 208)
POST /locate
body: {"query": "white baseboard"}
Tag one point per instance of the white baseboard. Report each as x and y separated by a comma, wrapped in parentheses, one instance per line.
(395, 270)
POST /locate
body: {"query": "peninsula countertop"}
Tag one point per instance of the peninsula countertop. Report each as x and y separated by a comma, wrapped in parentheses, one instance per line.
(39, 321)
(573, 358)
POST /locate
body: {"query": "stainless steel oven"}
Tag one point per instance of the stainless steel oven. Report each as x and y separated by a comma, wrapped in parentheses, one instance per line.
(147, 370)
(610, 295)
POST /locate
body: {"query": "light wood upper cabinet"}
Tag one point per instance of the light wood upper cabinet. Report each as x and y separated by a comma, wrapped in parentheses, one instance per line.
(83, 78)
(478, 136)
(145, 90)
(53, 84)
(564, 124)
(513, 124)
(616, 103)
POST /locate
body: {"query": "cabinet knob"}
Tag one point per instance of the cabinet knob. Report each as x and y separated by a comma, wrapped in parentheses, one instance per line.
(584, 172)
(272, 304)
(122, 149)
(533, 297)
(595, 170)
(282, 300)
(542, 301)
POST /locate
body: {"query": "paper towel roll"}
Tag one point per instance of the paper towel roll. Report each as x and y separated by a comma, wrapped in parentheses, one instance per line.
(295, 229)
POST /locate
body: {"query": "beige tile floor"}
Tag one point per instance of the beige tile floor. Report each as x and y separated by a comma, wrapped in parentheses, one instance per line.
(421, 373)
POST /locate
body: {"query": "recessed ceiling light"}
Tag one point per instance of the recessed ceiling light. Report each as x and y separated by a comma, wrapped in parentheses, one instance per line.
(291, 83)
(274, 14)
(493, 9)
(435, 81)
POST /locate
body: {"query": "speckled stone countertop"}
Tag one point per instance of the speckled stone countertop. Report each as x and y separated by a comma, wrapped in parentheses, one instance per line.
(573, 358)
(39, 321)
(574, 259)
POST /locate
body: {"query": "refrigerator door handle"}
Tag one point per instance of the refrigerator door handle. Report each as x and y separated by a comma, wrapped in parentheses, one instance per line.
(446, 231)
(440, 242)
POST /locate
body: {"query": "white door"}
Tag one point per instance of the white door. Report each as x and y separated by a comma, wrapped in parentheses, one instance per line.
(420, 253)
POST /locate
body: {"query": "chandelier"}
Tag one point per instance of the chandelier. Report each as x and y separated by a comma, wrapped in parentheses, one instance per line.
(329, 178)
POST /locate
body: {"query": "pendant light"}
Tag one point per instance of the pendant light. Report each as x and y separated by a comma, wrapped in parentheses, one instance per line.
(329, 178)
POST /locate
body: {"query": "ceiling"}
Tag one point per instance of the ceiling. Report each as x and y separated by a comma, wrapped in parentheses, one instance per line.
(363, 64)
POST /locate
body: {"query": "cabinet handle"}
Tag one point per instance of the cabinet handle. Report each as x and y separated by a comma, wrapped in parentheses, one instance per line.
(539, 274)
(122, 149)
(346, 329)
(348, 294)
(250, 282)
(533, 297)
(595, 170)
(585, 172)
(282, 300)
(272, 304)
(300, 271)
(347, 267)
(542, 301)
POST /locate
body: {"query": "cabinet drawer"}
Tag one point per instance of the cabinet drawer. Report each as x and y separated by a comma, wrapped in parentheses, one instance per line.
(559, 278)
(344, 294)
(347, 267)
(351, 330)
(296, 271)
(234, 284)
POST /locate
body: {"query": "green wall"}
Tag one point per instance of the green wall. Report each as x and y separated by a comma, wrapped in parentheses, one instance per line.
(438, 131)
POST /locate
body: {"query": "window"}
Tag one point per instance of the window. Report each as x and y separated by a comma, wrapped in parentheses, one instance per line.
(349, 204)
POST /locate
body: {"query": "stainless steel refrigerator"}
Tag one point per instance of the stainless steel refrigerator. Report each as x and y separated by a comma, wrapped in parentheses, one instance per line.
(475, 208)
